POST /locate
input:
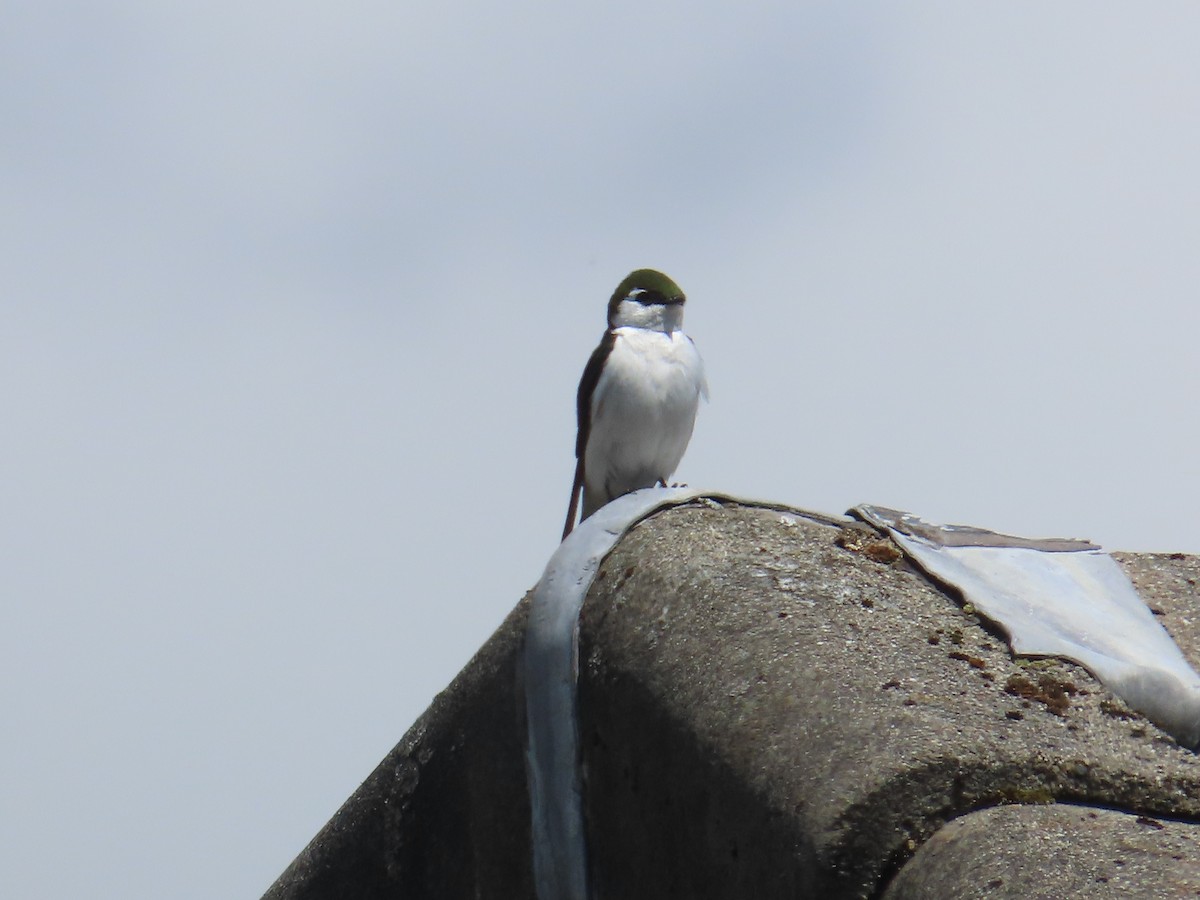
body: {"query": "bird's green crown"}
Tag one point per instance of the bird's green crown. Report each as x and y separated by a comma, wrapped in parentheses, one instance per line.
(654, 283)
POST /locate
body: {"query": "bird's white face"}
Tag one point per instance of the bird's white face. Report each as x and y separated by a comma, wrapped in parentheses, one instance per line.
(664, 317)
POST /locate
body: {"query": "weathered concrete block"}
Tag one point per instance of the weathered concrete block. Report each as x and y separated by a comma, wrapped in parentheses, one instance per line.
(769, 707)
(1051, 852)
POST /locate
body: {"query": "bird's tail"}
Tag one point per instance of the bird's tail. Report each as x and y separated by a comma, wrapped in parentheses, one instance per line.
(576, 490)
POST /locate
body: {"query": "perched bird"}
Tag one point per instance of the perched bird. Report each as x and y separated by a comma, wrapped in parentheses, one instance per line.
(638, 395)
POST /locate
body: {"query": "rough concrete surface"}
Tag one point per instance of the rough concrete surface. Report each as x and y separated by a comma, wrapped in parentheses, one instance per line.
(767, 713)
(1055, 851)
(771, 707)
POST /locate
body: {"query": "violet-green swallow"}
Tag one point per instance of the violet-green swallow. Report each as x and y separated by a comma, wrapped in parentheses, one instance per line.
(638, 395)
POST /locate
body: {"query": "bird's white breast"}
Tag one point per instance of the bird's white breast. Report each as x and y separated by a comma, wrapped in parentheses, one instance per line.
(643, 411)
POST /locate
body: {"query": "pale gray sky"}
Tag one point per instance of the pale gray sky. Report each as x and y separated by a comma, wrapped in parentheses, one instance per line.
(296, 296)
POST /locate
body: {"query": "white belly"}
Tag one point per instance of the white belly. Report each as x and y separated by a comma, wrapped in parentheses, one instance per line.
(643, 411)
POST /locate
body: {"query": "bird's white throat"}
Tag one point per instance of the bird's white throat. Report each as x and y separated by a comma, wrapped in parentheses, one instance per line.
(653, 317)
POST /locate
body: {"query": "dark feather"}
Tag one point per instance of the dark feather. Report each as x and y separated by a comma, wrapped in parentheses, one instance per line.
(583, 412)
(587, 387)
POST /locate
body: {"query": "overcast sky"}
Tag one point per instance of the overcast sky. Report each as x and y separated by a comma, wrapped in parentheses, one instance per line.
(295, 298)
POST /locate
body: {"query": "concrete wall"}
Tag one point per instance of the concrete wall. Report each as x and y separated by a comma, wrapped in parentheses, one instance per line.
(775, 708)
(445, 814)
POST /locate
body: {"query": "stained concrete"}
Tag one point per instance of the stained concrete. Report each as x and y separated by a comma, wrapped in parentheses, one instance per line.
(769, 707)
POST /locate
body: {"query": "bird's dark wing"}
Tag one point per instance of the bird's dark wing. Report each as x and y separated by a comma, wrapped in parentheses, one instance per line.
(583, 412)
(587, 387)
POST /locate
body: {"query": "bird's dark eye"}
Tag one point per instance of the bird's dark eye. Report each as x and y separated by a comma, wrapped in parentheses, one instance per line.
(647, 298)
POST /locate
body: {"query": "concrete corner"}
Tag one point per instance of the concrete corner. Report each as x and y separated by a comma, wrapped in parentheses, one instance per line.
(445, 814)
